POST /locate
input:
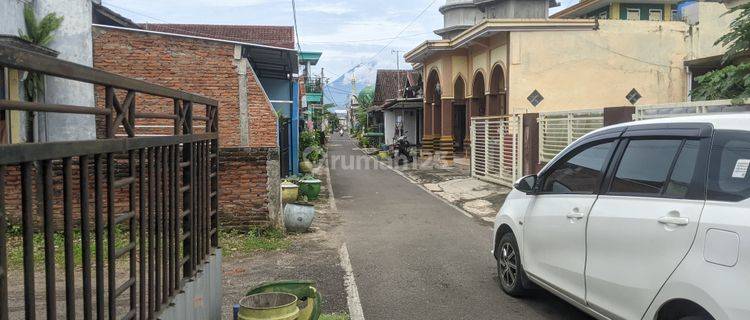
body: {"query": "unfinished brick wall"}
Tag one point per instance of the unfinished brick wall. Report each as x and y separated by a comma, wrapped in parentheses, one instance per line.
(198, 66)
(207, 68)
(246, 181)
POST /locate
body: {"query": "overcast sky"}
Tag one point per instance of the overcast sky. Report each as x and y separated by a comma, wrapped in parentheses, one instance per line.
(348, 32)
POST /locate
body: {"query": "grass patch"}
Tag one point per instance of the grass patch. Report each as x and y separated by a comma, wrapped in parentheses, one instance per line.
(334, 316)
(15, 247)
(255, 240)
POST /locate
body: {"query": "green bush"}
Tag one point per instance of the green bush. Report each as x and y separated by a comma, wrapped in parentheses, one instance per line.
(308, 139)
(316, 153)
(321, 137)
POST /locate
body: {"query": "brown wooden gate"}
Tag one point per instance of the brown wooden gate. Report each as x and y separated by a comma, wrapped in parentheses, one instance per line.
(161, 190)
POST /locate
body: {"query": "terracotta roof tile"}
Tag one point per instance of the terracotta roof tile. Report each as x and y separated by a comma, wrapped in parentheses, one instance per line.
(387, 84)
(276, 36)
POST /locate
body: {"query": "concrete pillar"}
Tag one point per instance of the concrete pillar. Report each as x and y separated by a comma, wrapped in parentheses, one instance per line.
(446, 132)
(469, 113)
(487, 105)
(75, 44)
(530, 151)
(493, 107)
(503, 109)
(242, 79)
(427, 136)
(436, 126)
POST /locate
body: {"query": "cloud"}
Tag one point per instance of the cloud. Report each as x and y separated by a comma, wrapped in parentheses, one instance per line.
(193, 3)
(336, 8)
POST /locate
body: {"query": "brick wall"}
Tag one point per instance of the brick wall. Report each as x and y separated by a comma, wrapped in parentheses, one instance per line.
(249, 186)
(207, 68)
(198, 66)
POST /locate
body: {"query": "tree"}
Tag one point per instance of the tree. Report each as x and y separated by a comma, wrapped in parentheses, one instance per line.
(40, 33)
(737, 40)
(733, 81)
(366, 97)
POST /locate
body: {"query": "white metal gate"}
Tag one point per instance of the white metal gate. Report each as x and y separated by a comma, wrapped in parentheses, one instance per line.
(688, 108)
(558, 130)
(496, 149)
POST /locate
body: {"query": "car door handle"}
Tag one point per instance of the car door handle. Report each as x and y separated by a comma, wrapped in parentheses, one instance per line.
(678, 221)
(576, 214)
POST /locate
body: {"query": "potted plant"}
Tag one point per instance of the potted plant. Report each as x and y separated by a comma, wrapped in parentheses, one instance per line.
(305, 166)
(299, 216)
(289, 191)
(309, 186)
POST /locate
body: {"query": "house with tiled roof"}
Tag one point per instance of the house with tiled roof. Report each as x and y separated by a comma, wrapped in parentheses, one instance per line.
(397, 104)
(274, 36)
(252, 72)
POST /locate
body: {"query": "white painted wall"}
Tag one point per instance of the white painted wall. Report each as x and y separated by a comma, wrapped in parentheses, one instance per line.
(74, 43)
(409, 119)
(11, 16)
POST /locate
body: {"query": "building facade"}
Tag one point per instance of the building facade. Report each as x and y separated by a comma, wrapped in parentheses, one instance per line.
(248, 133)
(516, 66)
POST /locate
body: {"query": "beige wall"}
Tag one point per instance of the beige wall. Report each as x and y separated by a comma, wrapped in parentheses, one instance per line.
(598, 68)
(467, 62)
(586, 69)
(708, 21)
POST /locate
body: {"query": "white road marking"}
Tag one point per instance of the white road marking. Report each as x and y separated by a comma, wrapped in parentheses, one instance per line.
(352, 294)
(331, 198)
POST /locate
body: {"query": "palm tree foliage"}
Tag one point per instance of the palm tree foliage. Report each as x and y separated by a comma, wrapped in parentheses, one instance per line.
(40, 33)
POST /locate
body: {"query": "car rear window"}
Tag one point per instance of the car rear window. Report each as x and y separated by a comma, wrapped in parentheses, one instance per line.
(729, 178)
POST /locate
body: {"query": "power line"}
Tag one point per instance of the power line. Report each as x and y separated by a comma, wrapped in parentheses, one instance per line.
(368, 40)
(296, 28)
(404, 29)
(394, 38)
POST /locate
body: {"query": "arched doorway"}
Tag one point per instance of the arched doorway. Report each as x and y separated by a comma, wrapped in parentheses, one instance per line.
(478, 102)
(460, 128)
(497, 100)
(432, 100)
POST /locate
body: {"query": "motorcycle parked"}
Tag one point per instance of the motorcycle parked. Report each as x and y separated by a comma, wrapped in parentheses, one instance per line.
(401, 146)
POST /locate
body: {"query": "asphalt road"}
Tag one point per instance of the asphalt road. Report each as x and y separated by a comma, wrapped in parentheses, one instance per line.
(415, 257)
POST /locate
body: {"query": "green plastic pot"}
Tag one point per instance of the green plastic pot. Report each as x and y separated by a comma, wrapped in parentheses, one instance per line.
(269, 306)
(310, 188)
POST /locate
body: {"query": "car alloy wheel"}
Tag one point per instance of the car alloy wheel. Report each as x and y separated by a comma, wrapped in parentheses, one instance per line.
(508, 265)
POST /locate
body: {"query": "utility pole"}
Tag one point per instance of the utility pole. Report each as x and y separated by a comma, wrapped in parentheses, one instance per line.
(398, 70)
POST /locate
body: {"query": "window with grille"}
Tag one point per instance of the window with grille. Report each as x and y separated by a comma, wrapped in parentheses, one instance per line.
(655, 15)
(634, 14)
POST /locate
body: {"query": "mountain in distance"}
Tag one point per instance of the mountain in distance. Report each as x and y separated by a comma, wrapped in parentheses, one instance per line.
(339, 89)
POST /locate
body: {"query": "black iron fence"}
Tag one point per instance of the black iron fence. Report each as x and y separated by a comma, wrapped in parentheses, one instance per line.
(161, 190)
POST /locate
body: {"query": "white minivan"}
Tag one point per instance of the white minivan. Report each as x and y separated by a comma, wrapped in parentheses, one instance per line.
(643, 220)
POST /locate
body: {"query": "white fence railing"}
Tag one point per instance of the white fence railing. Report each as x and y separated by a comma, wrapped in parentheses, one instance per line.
(559, 129)
(496, 149)
(688, 108)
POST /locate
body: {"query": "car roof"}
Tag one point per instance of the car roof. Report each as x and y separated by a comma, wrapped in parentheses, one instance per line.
(724, 121)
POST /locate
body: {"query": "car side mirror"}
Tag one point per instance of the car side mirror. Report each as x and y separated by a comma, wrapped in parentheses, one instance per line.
(526, 184)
